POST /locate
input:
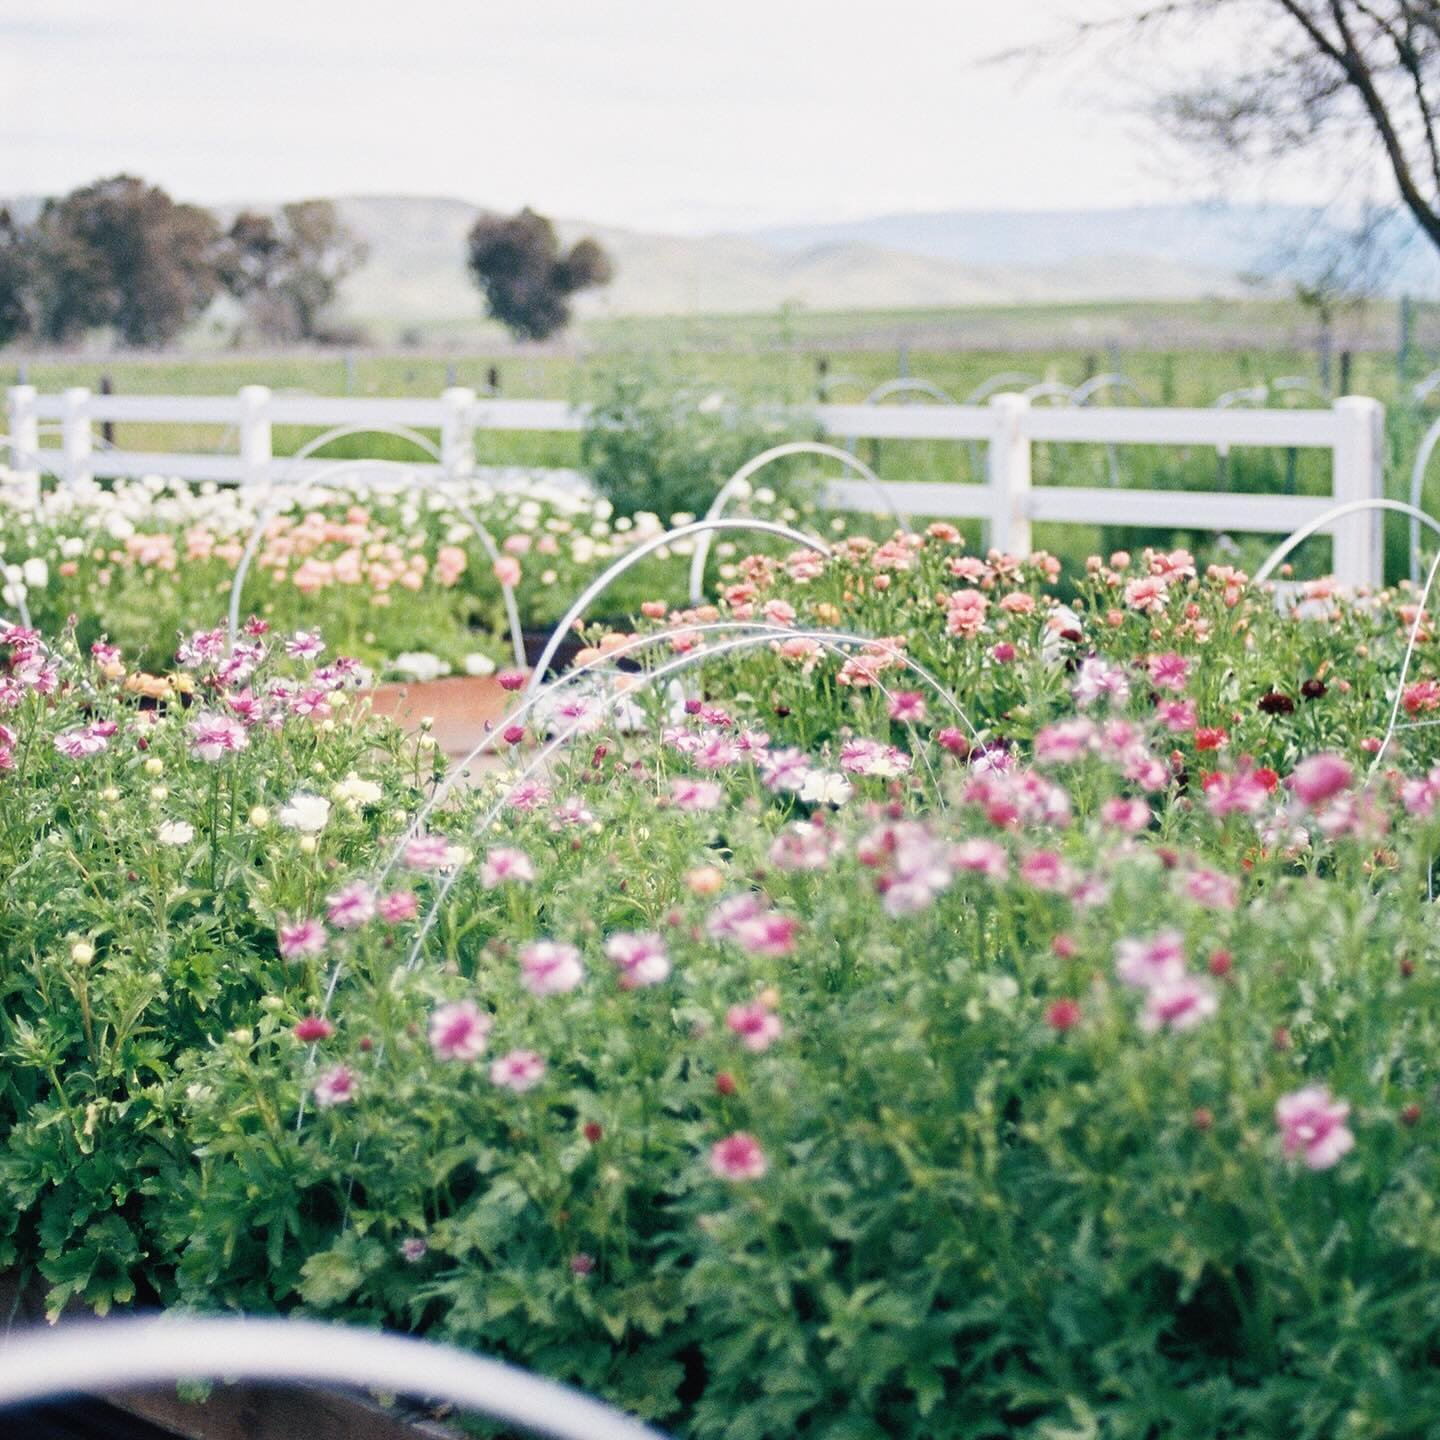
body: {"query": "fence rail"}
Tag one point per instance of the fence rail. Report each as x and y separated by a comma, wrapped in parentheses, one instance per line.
(1009, 427)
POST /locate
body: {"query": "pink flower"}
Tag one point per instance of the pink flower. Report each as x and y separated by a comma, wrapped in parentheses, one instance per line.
(1125, 814)
(907, 707)
(695, 795)
(1045, 870)
(504, 864)
(520, 1070)
(769, 935)
(459, 1031)
(305, 645)
(1313, 1124)
(336, 1086)
(1151, 960)
(507, 571)
(1180, 1004)
(427, 852)
(757, 1026)
(550, 967)
(301, 939)
(981, 857)
(312, 1028)
(724, 921)
(641, 959)
(398, 906)
(738, 1157)
(1177, 716)
(351, 907)
(1168, 671)
(1212, 889)
(413, 1249)
(1315, 780)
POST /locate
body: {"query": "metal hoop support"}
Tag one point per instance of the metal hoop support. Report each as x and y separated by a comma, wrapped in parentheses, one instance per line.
(750, 467)
(341, 432)
(1051, 390)
(902, 385)
(1093, 386)
(1338, 512)
(1245, 395)
(461, 507)
(1417, 493)
(641, 552)
(38, 1365)
(1425, 388)
(1299, 385)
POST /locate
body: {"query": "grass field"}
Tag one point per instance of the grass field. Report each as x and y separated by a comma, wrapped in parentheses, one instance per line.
(1176, 354)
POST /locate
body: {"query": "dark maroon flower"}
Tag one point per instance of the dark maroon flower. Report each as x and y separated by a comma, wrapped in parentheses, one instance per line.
(1274, 702)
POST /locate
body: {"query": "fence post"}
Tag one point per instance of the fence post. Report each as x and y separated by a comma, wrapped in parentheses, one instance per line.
(255, 437)
(1008, 467)
(24, 427)
(1359, 474)
(457, 431)
(77, 443)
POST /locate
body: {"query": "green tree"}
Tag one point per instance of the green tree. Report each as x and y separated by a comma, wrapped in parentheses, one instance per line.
(527, 280)
(123, 254)
(16, 281)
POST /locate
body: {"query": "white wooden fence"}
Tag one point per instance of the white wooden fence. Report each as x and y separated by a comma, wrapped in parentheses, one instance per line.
(1009, 426)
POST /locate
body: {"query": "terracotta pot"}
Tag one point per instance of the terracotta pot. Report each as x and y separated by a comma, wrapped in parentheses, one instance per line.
(460, 705)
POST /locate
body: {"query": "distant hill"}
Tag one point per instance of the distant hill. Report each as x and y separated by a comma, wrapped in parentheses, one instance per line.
(415, 277)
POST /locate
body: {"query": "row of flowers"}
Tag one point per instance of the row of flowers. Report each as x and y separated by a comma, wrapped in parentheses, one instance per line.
(1025, 1015)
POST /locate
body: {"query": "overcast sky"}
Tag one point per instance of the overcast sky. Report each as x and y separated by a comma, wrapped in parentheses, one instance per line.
(681, 115)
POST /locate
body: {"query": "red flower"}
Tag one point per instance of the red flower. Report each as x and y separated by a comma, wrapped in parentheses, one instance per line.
(1063, 1015)
(1210, 737)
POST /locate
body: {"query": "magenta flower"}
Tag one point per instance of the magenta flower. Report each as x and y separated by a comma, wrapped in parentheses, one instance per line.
(1212, 889)
(1315, 780)
(413, 1249)
(305, 645)
(335, 1086)
(770, 935)
(695, 795)
(398, 906)
(1125, 813)
(641, 959)
(301, 939)
(1312, 1125)
(1169, 671)
(757, 1027)
(520, 1070)
(504, 865)
(907, 707)
(213, 737)
(313, 1028)
(738, 1157)
(1179, 1004)
(351, 907)
(550, 967)
(459, 1031)
(427, 852)
(1152, 960)
(981, 857)
(724, 921)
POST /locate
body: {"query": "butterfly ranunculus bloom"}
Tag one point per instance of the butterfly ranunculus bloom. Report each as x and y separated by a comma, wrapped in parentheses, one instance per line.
(641, 958)
(550, 967)
(212, 737)
(398, 906)
(1318, 778)
(520, 1070)
(1151, 960)
(305, 812)
(336, 1086)
(301, 939)
(1179, 1004)
(351, 907)
(459, 1031)
(1312, 1125)
(738, 1157)
(757, 1026)
(502, 865)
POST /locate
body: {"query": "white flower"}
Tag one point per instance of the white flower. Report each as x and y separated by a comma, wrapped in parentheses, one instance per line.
(305, 813)
(353, 790)
(419, 665)
(36, 573)
(824, 787)
(175, 832)
(478, 664)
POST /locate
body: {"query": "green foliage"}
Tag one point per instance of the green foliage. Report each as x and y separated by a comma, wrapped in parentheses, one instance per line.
(657, 447)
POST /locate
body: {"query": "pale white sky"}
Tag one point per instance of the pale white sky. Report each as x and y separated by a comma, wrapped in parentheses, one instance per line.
(660, 114)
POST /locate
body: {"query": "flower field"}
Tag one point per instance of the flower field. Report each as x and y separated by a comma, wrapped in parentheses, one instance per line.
(932, 995)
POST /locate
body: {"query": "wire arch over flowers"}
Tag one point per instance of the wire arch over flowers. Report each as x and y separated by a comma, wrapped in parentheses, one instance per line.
(633, 557)
(342, 432)
(1417, 491)
(835, 642)
(759, 462)
(1338, 512)
(134, 1352)
(283, 492)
